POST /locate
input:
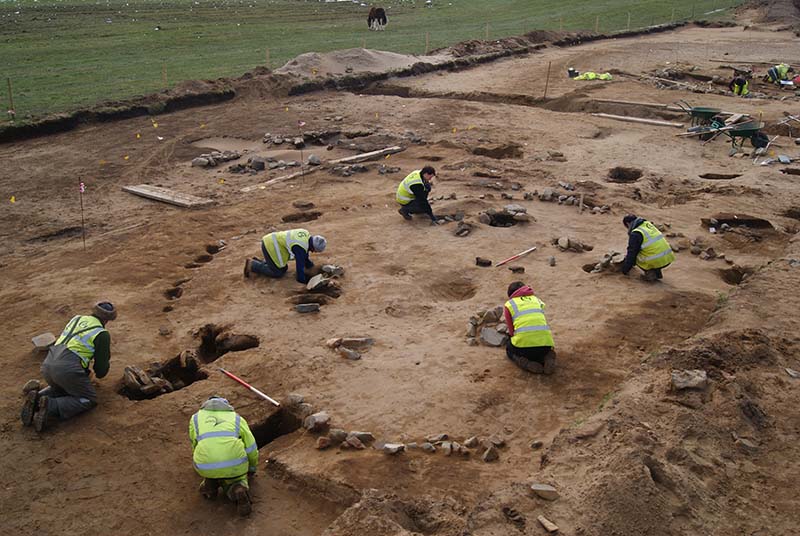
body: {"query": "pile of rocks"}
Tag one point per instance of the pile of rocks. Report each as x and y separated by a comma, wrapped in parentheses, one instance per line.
(384, 169)
(215, 158)
(346, 171)
(508, 216)
(450, 196)
(488, 327)
(298, 141)
(463, 228)
(611, 262)
(706, 253)
(565, 243)
(349, 346)
(141, 385)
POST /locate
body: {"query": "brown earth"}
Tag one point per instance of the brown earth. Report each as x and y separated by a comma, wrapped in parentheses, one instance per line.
(627, 454)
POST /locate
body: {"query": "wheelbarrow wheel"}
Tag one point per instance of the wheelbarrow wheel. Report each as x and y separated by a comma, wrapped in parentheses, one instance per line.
(759, 140)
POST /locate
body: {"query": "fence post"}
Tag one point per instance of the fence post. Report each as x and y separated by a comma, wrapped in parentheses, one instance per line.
(629, 20)
(427, 42)
(597, 24)
(11, 111)
(547, 80)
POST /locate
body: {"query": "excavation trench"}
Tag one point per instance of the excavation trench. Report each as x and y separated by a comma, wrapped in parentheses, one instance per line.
(216, 341)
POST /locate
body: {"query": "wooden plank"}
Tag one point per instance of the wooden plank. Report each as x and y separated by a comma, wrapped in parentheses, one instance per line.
(166, 195)
(771, 64)
(363, 157)
(670, 107)
(640, 120)
(262, 185)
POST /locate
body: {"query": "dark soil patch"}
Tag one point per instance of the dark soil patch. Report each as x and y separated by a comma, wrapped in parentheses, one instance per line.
(180, 371)
(502, 220)
(452, 287)
(173, 293)
(66, 232)
(793, 212)
(321, 299)
(511, 150)
(735, 274)
(278, 424)
(213, 249)
(167, 308)
(624, 174)
(720, 176)
(201, 259)
(301, 216)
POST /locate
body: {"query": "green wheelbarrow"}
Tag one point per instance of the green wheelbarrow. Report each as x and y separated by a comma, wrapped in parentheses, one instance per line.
(701, 115)
(747, 131)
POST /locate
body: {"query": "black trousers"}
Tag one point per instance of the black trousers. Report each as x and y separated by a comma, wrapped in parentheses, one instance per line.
(534, 353)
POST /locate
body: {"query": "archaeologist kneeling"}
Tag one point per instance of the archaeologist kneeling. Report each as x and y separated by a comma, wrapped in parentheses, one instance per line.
(412, 194)
(224, 452)
(647, 248)
(778, 73)
(280, 247)
(531, 342)
(740, 86)
(66, 370)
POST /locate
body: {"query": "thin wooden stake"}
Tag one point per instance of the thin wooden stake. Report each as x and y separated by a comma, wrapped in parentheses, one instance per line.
(629, 20)
(561, 24)
(580, 206)
(693, 6)
(164, 74)
(83, 221)
(673, 15)
(268, 62)
(427, 42)
(363, 42)
(487, 31)
(11, 111)
(547, 79)
(597, 24)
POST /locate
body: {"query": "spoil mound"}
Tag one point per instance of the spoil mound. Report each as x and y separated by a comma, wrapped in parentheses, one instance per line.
(352, 60)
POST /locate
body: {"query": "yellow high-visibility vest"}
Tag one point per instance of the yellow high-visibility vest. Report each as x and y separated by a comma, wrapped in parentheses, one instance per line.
(404, 194)
(79, 335)
(655, 251)
(280, 243)
(223, 445)
(530, 324)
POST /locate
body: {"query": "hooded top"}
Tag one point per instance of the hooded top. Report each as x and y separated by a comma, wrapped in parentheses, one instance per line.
(522, 291)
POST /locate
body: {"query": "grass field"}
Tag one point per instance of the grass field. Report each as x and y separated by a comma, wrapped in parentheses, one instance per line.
(63, 54)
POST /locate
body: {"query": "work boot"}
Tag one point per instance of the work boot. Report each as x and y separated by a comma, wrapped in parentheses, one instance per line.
(29, 406)
(650, 276)
(406, 216)
(208, 488)
(549, 363)
(242, 497)
(40, 418)
(31, 385)
(247, 268)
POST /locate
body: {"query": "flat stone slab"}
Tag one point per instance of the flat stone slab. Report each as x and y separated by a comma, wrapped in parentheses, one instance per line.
(43, 340)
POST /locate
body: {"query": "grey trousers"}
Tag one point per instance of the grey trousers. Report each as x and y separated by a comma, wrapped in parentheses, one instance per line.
(69, 390)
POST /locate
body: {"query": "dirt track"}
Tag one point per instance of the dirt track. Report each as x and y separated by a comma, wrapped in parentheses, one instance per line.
(125, 468)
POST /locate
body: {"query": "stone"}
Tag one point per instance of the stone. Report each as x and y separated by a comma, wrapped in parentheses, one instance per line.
(317, 282)
(428, 447)
(200, 162)
(536, 445)
(492, 315)
(435, 438)
(323, 442)
(471, 329)
(471, 442)
(304, 409)
(334, 342)
(490, 454)
(447, 448)
(364, 437)
(337, 435)
(480, 261)
(514, 209)
(517, 269)
(314, 160)
(292, 163)
(545, 491)
(551, 261)
(353, 442)
(502, 328)
(793, 373)
(393, 448)
(696, 250)
(746, 444)
(293, 399)
(307, 307)
(689, 379)
(497, 441)
(522, 217)
(504, 195)
(298, 142)
(317, 422)
(548, 525)
(258, 163)
(484, 218)
(164, 331)
(472, 341)
(43, 340)
(491, 337)
(546, 195)
(563, 242)
(348, 353)
(332, 270)
(357, 343)
(277, 140)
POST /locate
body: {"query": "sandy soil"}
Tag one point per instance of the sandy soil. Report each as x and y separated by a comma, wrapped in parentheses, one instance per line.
(627, 455)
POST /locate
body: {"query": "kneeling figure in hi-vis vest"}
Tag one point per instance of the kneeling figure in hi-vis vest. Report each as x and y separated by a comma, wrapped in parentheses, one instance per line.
(530, 345)
(224, 452)
(412, 194)
(281, 247)
(647, 248)
(84, 343)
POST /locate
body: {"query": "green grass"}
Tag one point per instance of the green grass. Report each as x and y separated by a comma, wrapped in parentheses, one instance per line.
(63, 54)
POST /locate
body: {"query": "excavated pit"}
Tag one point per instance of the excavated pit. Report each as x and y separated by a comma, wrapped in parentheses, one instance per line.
(322, 299)
(66, 232)
(502, 220)
(792, 212)
(735, 274)
(173, 293)
(624, 174)
(499, 152)
(213, 249)
(298, 217)
(180, 371)
(216, 341)
(452, 287)
(277, 424)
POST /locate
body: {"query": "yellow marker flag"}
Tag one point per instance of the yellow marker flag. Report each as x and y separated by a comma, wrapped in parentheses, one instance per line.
(138, 135)
(102, 162)
(222, 181)
(287, 108)
(376, 115)
(13, 199)
(202, 125)
(125, 157)
(155, 125)
(454, 130)
(387, 157)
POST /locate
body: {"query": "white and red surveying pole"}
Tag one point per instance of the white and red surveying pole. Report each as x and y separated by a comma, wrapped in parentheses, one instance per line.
(517, 256)
(240, 381)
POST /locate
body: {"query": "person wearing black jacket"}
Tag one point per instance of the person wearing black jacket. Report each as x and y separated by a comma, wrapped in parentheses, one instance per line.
(412, 193)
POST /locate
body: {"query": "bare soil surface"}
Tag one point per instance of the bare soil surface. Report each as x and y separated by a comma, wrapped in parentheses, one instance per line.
(627, 454)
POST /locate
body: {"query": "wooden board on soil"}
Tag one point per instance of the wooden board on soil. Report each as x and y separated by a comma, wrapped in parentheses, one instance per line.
(166, 195)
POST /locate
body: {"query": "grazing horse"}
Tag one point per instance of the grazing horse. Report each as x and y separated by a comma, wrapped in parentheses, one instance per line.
(376, 20)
